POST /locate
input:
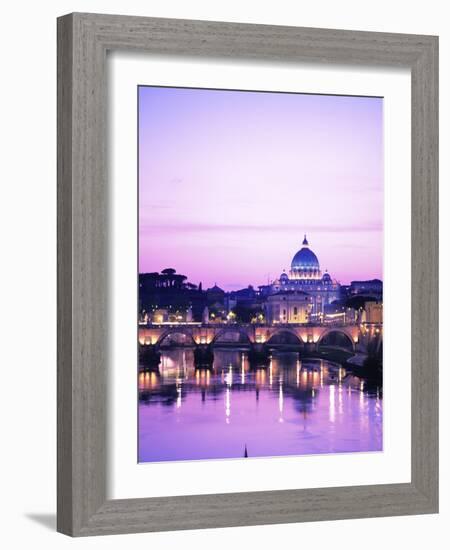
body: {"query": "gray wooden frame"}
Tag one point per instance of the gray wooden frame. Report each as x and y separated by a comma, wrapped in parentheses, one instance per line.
(83, 41)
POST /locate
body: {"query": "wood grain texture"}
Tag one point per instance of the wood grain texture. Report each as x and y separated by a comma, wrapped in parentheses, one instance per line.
(83, 241)
(424, 276)
(64, 267)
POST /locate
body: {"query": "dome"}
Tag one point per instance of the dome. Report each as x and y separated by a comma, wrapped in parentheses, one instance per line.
(283, 277)
(305, 259)
(326, 278)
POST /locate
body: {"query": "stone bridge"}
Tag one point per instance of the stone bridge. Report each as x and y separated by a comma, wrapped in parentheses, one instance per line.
(197, 334)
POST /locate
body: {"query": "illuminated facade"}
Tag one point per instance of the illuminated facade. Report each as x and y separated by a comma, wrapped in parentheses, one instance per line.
(306, 276)
(373, 313)
(290, 306)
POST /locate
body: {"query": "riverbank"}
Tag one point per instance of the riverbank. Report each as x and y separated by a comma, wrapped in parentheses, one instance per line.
(356, 364)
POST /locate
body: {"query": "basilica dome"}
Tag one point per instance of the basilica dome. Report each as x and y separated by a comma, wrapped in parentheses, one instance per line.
(305, 259)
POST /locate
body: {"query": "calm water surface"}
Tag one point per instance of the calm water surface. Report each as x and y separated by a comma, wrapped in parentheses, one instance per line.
(290, 408)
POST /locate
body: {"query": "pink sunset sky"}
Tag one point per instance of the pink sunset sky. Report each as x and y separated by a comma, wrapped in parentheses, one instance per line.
(229, 182)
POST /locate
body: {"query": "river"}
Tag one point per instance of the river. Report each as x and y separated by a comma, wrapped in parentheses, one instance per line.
(291, 407)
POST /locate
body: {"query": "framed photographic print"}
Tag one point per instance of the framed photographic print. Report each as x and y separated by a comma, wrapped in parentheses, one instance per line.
(247, 274)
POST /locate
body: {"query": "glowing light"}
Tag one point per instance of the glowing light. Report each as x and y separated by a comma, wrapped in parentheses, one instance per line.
(227, 405)
(332, 410)
(304, 377)
(315, 376)
(280, 401)
(229, 376)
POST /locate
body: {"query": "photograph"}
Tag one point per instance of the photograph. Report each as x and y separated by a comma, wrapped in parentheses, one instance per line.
(260, 274)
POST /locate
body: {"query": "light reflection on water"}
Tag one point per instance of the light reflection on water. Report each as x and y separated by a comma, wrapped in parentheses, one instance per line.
(291, 407)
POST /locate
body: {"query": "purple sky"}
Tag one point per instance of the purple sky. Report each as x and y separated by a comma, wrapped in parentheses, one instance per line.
(230, 181)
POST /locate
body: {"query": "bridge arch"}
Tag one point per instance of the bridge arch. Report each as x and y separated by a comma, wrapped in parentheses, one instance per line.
(335, 333)
(232, 330)
(173, 331)
(290, 336)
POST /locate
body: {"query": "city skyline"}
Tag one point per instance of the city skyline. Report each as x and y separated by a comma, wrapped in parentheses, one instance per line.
(230, 181)
(269, 281)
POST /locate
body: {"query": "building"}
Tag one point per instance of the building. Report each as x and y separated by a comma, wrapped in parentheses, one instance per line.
(373, 313)
(215, 296)
(373, 288)
(288, 306)
(340, 314)
(305, 276)
(244, 296)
